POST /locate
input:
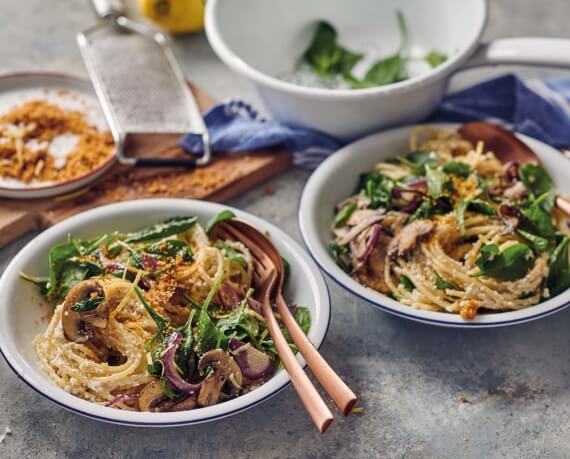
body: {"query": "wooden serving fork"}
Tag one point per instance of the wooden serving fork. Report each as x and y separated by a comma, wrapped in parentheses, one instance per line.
(264, 251)
(265, 278)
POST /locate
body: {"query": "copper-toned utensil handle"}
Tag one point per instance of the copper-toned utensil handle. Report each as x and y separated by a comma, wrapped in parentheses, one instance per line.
(563, 204)
(337, 389)
(316, 407)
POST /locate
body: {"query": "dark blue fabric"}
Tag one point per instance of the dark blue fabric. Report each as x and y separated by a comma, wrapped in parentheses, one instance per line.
(539, 109)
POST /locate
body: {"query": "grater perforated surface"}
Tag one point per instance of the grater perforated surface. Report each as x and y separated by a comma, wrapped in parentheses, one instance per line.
(139, 83)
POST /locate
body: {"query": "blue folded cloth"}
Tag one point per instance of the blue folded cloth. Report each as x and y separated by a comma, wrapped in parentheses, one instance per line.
(538, 108)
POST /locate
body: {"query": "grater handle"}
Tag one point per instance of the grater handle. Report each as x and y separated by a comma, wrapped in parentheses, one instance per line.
(108, 8)
(165, 162)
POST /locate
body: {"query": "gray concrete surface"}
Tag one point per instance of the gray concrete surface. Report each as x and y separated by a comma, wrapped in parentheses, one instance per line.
(409, 376)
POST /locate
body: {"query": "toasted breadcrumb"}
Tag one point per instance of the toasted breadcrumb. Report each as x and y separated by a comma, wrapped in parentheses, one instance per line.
(26, 133)
(469, 309)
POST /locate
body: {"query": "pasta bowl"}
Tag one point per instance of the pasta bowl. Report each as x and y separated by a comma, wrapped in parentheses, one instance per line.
(23, 312)
(337, 178)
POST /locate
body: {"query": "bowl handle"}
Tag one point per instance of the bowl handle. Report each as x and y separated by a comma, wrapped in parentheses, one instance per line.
(547, 52)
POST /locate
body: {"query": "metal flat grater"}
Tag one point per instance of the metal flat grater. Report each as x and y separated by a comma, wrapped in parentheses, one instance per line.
(140, 86)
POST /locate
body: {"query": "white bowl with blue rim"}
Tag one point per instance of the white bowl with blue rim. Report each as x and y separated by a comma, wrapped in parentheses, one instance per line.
(23, 311)
(337, 178)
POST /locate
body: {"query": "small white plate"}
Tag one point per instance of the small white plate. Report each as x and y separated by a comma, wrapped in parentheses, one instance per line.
(336, 179)
(67, 91)
(23, 312)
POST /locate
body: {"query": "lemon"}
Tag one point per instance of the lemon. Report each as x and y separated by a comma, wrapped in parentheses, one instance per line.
(176, 16)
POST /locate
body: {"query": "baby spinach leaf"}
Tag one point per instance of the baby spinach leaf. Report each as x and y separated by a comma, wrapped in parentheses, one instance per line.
(436, 180)
(325, 56)
(458, 168)
(460, 209)
(388, 70)
(481, 207)
(172, 226)
(59, 256)
(168, 391)
(539, 244)
(303, 318)
(407, 283)
(537, 219)
(425, 210)
(232, 320)
(344, 214)
(66, 268)
(418, 160)
(286, 270)
(87, 304)
(436, 58)
(231, 254)
(340, 254)
(440, 283)
(558, 279)
(385, 71)
(223, 215)
(536, 179)
(209, 337)
(378, 188)
(510, 264)
(171, 248)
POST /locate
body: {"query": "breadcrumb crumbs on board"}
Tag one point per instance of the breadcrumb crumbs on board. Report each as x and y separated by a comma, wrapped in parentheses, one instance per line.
(28, 131)
(270, 190)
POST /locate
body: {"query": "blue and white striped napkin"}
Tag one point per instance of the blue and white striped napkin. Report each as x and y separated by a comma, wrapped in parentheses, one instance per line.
(538, 108)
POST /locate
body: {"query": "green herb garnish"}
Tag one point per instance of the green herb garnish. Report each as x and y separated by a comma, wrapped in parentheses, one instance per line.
(510, 264)
(344, 214)
(88, 304)
(223, 215)
(175, 225)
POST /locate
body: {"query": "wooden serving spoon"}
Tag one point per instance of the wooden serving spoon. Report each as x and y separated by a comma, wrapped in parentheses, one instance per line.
(341, 394)
(506, 147)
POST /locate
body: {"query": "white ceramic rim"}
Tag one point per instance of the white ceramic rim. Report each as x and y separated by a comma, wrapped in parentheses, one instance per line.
(276, 384)
(317, 184)
(44, 191)
(237, 64)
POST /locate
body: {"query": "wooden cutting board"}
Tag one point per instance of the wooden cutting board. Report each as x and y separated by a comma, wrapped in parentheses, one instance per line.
(225, 178)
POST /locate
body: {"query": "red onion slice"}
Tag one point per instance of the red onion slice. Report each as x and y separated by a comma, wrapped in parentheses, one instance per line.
(357, 229)
(254, 364)
(235, 344)
(255, 305)
(372, 239)
(170, 367)
(149, 263)
(228, 297)
(123, 398)
(419, 184)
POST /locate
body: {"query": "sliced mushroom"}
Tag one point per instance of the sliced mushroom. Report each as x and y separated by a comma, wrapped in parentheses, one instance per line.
(517, 191)
(253, 363)
(410, 235)
(188, 403)
(223, 365)
(72, 322)
(153, 398)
